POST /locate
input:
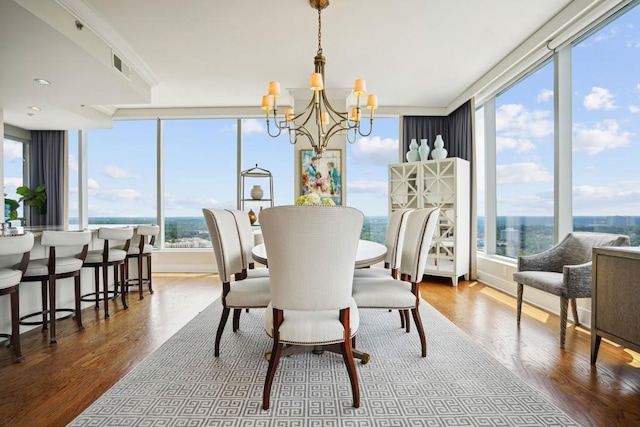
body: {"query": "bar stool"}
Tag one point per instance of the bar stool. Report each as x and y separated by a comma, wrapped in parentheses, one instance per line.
(141, 249)
(67, 252)
(14, 257)
(113, 254)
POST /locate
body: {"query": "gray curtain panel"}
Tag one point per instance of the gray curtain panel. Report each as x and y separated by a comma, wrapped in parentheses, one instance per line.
(46, 156)
(456, 130)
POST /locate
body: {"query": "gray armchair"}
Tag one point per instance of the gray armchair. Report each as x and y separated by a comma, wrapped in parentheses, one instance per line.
(564, 270)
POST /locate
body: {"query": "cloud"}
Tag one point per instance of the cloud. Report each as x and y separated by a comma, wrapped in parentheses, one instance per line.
(623, 198)
(633, 44)
(115, 172)
(544, 95)
(376, 151)
(121, 195)
(514, 120)
(522, 173)
(634, 109)
(92, 184)
(180, 202)
(252, 126)
(12, 183)
(12, 150)
(73, 163)
(527, 204)
(599, 99)
(520, 145)
(368, 187)
(605, 135)
(605, 36)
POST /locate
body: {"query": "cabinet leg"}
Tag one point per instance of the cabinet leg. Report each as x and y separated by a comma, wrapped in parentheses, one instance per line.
(595, 346)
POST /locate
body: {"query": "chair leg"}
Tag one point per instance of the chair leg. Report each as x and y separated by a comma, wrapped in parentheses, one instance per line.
(402, 318)
(347, 356)
(564, 308)
(407, 322)
(519, 303)
(236, 319)
(123, 283)
(223, 321)
(15, 325)
(574, 309)
(52, 310)
(420, 328)
(140, 276)
(149, 273)
(276, 352)
(105, 289)
(96, 274)
(45, 298)
(76, 280)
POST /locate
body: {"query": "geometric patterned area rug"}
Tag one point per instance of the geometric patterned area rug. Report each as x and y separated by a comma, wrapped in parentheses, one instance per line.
(457, 384)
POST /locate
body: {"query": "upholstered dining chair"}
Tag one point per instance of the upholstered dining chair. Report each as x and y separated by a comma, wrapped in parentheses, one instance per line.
(116, 243)
(394, 238)
(67, 251)
(404, 294)
(14, 257)
(238, 294)
(245, 234)
(312, 253)
(141, 249)
(564, 271)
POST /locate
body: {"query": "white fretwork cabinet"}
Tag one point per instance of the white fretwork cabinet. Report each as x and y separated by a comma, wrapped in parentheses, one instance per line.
(445, 184)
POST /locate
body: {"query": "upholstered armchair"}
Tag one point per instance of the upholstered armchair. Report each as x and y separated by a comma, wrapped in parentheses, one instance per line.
(564, 270)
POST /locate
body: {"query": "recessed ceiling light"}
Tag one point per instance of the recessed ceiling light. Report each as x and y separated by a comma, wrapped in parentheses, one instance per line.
(34, 108)
(42, 81)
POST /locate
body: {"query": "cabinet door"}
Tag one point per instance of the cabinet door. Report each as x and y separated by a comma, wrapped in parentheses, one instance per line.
(403, 186)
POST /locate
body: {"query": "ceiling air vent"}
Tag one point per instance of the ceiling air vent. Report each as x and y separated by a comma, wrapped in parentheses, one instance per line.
(119, 65)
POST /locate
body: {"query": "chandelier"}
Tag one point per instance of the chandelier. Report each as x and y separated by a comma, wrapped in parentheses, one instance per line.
(319, 121)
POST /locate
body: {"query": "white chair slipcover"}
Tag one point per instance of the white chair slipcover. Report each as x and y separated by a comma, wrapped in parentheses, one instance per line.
(247, 239)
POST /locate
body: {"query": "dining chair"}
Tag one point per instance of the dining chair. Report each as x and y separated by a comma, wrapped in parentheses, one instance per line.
(14, 257)
(394, 238)
(116, 243)
(237, 294)
(404, 294)
(312, 253)
(246, 237)
(141, 249)
(67, 251)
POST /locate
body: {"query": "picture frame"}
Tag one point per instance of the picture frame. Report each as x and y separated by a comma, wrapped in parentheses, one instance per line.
(326, 171)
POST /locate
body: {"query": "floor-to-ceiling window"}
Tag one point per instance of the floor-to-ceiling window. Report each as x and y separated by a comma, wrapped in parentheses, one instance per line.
(606, 128)
(367, 175)
(121, 168)
(200, 170)
(13, 175)
(524, 165)
(72, 161)
(480, 177)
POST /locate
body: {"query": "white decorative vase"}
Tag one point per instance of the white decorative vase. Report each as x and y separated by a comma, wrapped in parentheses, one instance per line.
(413, 155)
(256, 192)
(424, 150)
(438, 151)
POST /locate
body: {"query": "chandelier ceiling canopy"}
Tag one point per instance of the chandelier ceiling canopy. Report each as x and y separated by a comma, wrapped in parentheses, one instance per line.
(319, 121)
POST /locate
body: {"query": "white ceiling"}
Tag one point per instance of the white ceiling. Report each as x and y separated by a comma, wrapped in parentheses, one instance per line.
(414, 54)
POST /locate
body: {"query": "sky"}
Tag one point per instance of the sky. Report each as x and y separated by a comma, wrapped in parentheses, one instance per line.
(200, 160)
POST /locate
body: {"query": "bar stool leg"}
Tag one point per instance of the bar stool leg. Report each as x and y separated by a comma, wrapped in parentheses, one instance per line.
(140, 276)
(52, 309)
(96, 286)
(43, 290)
(15, 325)
(105, 289)
(76, 279)
(123, 284)
(149, 273)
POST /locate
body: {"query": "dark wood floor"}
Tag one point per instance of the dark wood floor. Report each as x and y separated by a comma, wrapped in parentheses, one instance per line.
(57, 383)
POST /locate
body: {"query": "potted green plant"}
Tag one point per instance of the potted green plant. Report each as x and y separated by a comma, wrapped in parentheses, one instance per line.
(10, 209)
(34, 197)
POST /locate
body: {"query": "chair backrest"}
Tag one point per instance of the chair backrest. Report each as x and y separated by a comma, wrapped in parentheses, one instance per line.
(245, 235)
(312, 253)
(578, 246)
(117, 237)
(421, 226)
(395, 237)
(67, 243)
(224, 240)
(12, 248)
(144, 232)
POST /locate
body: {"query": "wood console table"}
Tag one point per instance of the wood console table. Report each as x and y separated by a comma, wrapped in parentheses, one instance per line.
(615, 297)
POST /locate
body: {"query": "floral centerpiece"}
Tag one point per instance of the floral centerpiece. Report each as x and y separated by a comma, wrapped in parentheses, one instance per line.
(312, 199)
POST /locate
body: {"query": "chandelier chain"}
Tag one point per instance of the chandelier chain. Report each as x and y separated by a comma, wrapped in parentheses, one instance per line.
(320, 31)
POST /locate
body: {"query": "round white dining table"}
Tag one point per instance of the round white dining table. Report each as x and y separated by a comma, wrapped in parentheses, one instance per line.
(369, 253)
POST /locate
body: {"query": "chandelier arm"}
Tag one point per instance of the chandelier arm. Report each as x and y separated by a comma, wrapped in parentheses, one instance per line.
(370, 129)
(330, 109)
(269, 129)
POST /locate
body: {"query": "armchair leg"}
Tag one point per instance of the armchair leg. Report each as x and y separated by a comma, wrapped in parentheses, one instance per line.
(564, 308)
(574, 309)
(519, 303)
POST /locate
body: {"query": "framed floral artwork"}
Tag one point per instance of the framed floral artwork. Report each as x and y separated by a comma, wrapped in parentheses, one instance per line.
(321, 175)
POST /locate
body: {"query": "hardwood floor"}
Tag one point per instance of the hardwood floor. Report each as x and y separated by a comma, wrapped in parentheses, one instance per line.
(57, 383)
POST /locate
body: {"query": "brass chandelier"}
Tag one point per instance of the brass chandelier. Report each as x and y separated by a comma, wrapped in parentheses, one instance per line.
(319, 121)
